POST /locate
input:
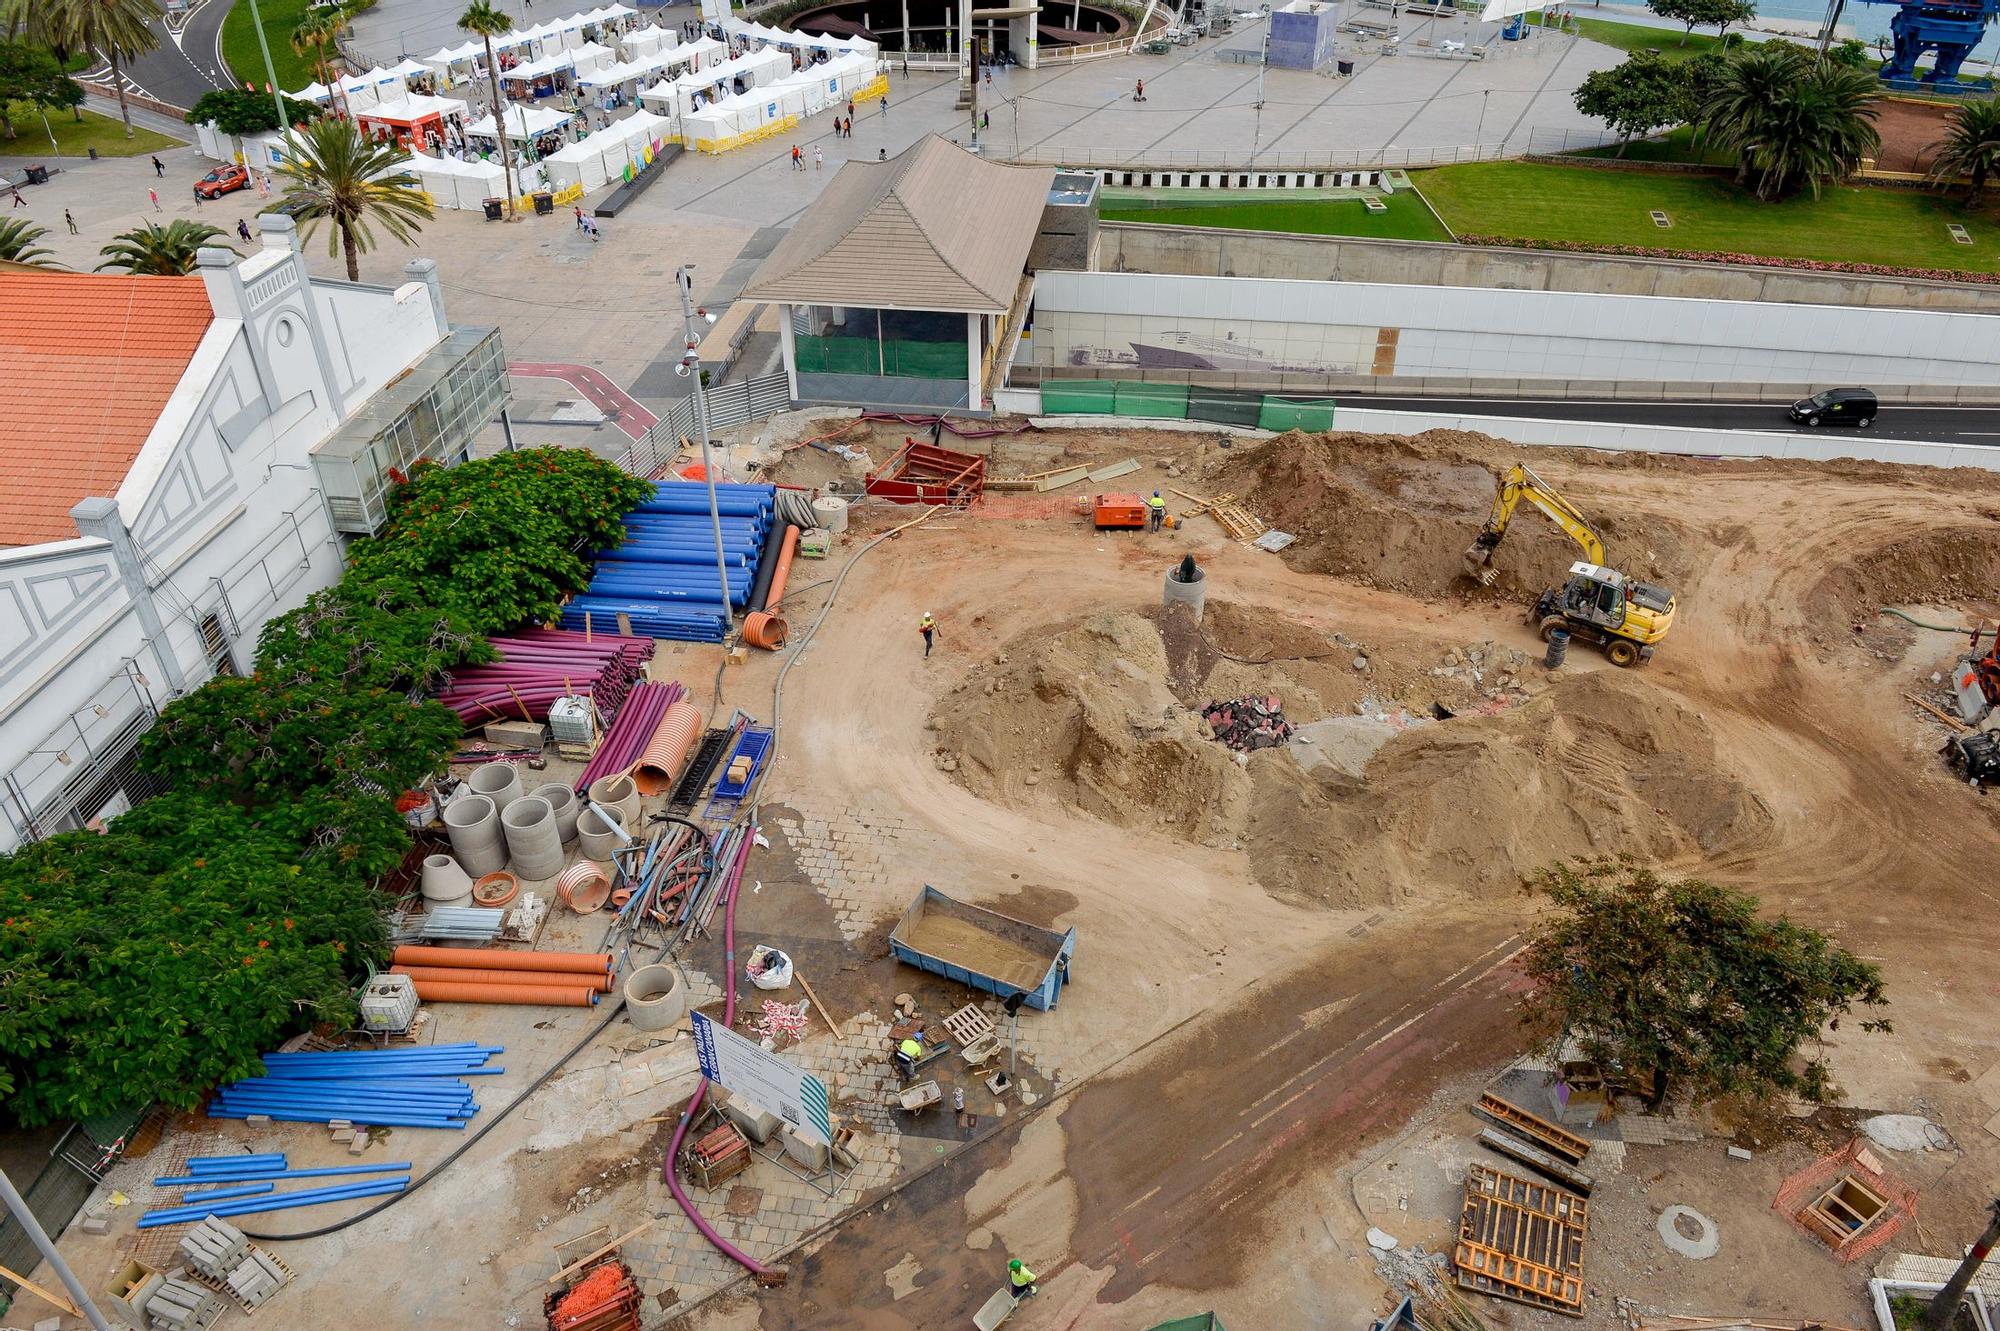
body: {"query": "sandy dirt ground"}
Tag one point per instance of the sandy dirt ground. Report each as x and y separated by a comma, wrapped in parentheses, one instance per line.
(1219, 1164)
(1289, 983)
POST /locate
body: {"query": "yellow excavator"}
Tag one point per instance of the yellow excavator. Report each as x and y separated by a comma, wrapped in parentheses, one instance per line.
(1598, 604)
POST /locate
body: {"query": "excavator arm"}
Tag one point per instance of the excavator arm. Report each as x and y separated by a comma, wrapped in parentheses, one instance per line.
(1518, 485)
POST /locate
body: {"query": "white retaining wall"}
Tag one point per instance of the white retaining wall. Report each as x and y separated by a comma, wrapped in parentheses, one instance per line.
(1153, 320)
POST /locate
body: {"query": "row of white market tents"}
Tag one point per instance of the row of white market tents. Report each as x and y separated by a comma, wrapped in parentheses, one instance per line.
(724, 123)
(453, 64)
(624, 148)
(683, 94)
(798, 41)
(362, 91)
(701, 53)
(455, 184)
(523, 123)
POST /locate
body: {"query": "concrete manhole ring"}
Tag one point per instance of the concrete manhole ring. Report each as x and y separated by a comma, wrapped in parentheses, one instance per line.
(1696, 1248)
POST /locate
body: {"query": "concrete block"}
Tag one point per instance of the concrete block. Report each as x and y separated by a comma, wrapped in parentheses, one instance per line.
(1738, 1153)
(358, 1145)
(517, 735)
(347, 1134)
(258, 1120)
(96, 1224)
(49, 1324)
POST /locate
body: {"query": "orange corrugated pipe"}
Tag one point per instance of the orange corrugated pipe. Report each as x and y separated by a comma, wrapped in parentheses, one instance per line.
(677, 736)
(542, 995)
(766, 628)
(580, 963)
(453, 975)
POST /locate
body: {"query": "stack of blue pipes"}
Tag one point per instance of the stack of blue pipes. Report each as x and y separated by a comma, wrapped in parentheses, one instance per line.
(226, 1185)
(404, 1088)
(662, 578)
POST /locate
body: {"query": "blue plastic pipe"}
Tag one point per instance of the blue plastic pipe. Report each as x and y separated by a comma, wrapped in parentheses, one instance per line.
(197, 1163)
(330, 1171)
(223, 1194)
(276, 1202)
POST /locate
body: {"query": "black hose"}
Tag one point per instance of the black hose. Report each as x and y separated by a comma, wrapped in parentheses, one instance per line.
(767, 565)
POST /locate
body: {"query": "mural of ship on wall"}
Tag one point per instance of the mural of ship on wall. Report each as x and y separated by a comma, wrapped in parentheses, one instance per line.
(1089, 355)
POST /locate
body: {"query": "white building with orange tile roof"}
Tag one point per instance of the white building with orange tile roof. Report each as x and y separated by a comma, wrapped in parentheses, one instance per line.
(180, 460)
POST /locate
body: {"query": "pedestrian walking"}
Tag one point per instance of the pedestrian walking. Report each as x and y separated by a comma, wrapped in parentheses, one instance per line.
(928, 627)
(816, 157)
(579, 219)
(590, 225)
(881, 154)
(798, 159)
(19, 202)
(989, 76)
(1139, 91)
(986, 120)
(152, 194)
(850, 106)
(159, 168)
(885, 106)
(263, 184)
(243, 230)
(69, 222)
(1020, 1280)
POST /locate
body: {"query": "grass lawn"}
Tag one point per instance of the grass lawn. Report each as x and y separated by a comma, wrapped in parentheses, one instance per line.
(1639, 37)
(1534, 201)
(246, 62)
(104, 133)
(1407, 218)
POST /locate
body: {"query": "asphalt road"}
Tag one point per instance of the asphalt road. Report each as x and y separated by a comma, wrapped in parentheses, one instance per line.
(1977, 426)
(185, 65)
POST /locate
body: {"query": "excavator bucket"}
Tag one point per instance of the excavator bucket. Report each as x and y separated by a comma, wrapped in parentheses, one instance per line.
(1479, 562)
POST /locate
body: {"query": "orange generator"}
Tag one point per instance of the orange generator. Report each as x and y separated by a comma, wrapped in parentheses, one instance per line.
(1115, 512)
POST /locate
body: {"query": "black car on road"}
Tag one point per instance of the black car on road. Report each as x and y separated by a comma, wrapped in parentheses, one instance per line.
(1836, 406)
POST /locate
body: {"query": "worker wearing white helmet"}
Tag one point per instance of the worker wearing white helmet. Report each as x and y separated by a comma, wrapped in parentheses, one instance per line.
(928, 627)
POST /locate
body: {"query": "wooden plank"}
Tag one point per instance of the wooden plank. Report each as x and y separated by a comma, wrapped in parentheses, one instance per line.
(1535, 1128)
(1536, 1158)
(47, 1296)
(1938, 712)
(1114, 469)
(831, 1025)
(1057, 480)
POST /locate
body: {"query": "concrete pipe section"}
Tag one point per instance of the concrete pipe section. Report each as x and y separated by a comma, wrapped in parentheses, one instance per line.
(594, 839)
(830, 512)
(532, 838)
(563, 800)
(444, 882)
(473, 824)
(655, 998)
(1186, 585)
(621, 796)
(499, 782)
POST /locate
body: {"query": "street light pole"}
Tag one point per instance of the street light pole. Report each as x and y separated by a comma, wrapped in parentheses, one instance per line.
(18, 1208)
(692, 361)
(1945, 1306)
(270, 70)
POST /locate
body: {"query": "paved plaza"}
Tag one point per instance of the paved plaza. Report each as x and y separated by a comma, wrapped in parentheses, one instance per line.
(559, 296)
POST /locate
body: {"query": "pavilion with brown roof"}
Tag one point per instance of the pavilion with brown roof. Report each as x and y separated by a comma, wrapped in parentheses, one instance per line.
(906, 281)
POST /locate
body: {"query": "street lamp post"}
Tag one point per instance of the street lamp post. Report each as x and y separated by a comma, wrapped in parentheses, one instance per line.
(691, 365)
(18, 1208)
(270, 70)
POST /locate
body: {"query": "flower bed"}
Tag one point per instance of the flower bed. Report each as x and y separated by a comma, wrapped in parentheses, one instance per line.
(1741, 260)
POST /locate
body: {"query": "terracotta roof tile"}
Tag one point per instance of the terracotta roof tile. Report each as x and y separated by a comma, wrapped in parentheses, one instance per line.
(87, 362)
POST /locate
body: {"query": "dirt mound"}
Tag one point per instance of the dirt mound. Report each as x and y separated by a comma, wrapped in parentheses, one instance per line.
(1596, 763)
(1936, 567)
(1398, 513)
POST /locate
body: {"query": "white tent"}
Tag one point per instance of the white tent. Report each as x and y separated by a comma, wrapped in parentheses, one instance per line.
(455, 184)
(312, 92)
(411, 67)
(523, 122)
(642, 42)
(601, 158)
(755, 69)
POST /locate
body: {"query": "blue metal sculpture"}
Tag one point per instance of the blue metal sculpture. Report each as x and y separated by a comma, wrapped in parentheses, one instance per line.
(1950, 28)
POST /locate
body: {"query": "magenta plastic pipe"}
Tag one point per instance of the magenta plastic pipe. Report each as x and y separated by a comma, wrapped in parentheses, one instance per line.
(728, 1249)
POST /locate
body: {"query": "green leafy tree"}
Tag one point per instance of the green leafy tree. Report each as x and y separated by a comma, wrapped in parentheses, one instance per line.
(114, 29)
(337, 174)
(1790, 119)
(1970, 146)
(501, 540)
(1852, 52)
(156, 959)
(381, 636)
(487, 22)
(32, 76)
(1691, 14)
(238, 111)
(318, 35)
(258, 743)
(17, 243)
(1645, 94)
(1682, 979)
(161, 251)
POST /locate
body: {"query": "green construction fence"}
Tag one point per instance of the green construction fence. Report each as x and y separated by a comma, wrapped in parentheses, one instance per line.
(1222, 406)
(897, 358)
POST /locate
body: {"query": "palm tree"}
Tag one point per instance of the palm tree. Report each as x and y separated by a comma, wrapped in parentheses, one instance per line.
(337, 173)
(482, 18)
(17, 243)
(159, 251)
(114, 29)
(321, 29)
(1971, 147)
(1736, 111)
(1820, 129)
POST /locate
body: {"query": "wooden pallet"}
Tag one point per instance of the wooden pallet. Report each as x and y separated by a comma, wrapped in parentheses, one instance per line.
(1238, 521)
(1521, 1240)
(1566, 1144)
(968, 1024)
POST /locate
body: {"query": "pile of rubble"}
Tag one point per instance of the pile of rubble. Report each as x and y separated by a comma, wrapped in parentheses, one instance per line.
(1248, 723)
